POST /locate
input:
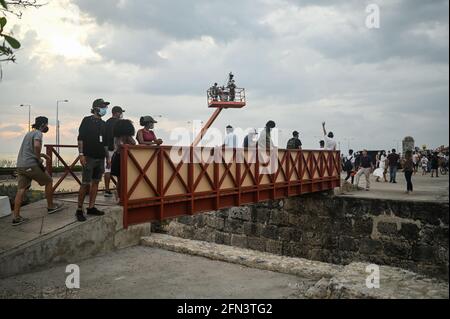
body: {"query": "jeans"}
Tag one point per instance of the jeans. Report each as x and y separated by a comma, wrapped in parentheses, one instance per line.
(408, 177)
(392, 173)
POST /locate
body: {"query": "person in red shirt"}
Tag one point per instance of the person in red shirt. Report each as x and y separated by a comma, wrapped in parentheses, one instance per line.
(146, 136)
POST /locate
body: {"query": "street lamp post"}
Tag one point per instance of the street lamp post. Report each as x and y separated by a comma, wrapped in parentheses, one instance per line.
(29, 115)
(57, 127)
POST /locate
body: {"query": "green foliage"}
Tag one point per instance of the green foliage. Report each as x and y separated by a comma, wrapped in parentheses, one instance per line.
(31, 196)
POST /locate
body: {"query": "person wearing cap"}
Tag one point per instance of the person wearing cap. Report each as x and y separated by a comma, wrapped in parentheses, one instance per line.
(365, 168)
(146, 136)
(93, 149)
(117, 114)
(294, 143)
(30, 167)
(330, 143)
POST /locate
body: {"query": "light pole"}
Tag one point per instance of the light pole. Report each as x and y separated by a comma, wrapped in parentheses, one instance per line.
(29, 115)
(348, 139)
(57, 127)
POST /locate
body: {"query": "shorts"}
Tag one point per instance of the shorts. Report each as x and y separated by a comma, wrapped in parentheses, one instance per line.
(108, 170)
(93, 170)
(34, 173)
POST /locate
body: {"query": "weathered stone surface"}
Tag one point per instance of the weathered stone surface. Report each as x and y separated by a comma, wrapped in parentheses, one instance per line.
(422, 253)
(234, 226)
(348, 243)
(370, 246)
(262, 215)
(257, 243)
(222, 238)
(397, 249)
(270, 231)
(239, 241)
(395, 283)
(279, 217)
(400, 233)
(410, 231)
(274, 247)
(387, 228)
(243, 213)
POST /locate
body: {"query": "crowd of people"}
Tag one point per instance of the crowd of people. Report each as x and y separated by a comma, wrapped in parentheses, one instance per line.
(252, 139)
(99, 145)
(356, 164)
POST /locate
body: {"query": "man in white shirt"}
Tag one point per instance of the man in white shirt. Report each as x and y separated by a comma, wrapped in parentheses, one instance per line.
(230, 138)
(330, 143)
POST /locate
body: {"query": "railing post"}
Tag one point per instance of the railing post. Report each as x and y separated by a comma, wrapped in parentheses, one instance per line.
(124, 183)
(49, 161)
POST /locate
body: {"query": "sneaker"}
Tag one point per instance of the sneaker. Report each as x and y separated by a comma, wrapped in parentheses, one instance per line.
(367, 189)
(80, 216)
(94, 211)
(55, 209)
(19, 220)
(108, 194)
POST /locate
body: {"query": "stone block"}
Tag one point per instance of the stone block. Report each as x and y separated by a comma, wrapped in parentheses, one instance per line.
(423, 253)
(370, 246)
(222, 238)
(239, 241)
(410, 231)
(274, 247)
(234, 226)
(256, 243)
(270, 231)
(387, 228)
(242, 213)
(397, 249)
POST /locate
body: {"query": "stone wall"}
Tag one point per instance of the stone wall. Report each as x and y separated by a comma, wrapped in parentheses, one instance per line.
(406, 234)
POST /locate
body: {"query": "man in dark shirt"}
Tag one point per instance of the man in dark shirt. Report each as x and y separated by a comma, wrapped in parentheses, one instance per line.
(365, 167)
(93, 149)
(294, 143)
(117, 114)
(393, 159)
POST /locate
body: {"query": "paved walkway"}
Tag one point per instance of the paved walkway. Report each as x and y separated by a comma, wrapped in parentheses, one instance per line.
(142, 272)
(425, 189)
(152, 272)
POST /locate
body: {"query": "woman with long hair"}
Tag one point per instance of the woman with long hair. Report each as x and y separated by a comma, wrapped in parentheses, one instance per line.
(123, 133)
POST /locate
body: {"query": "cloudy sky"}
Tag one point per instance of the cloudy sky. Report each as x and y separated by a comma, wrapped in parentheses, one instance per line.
(302, 62)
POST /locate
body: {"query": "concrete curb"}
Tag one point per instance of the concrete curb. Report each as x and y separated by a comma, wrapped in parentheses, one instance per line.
(334, 281)
(246, 257)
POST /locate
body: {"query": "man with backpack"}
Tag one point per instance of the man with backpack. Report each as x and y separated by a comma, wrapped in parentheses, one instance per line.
(294, 143)
(349, 165)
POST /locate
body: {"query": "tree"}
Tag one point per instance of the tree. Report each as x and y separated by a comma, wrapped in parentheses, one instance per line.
(9, 44)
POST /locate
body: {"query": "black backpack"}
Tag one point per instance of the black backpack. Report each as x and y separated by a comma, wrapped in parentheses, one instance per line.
(348, 166)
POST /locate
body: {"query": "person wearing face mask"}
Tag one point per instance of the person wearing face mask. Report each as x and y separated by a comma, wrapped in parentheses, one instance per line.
(146, 136)
(117, 114)
(93, 149)
(30, 167)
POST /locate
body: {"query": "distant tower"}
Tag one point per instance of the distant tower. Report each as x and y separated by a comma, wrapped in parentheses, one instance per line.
(408, 144)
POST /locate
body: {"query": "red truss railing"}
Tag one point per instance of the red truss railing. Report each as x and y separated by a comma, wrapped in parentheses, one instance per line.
(155, 186)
